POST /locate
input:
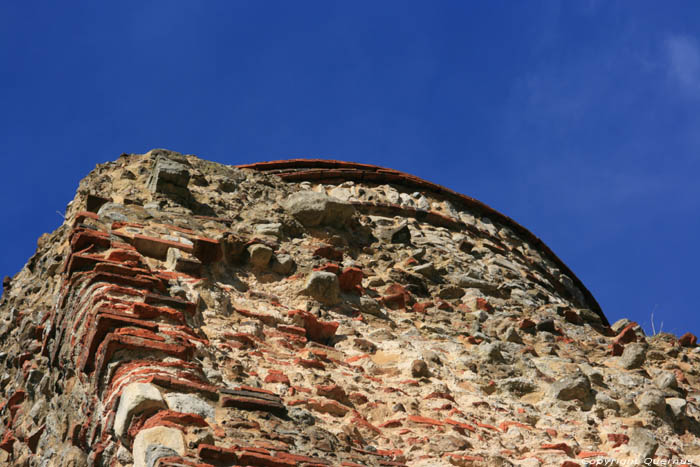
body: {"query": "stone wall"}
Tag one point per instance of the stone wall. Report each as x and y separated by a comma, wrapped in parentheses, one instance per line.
(309, 313)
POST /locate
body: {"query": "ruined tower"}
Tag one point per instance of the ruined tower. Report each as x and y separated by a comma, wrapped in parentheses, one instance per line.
(313, 313)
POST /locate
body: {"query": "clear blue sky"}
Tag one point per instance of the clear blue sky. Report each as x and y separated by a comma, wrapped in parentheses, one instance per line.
(578, 119)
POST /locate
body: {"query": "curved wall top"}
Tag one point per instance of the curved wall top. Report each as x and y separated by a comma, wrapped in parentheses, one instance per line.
(332, 171)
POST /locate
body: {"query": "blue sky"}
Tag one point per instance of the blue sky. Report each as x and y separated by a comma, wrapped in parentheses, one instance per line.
(578, 119)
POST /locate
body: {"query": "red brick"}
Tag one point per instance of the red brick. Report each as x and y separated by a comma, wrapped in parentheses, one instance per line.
(174, 419)
(316, 330)
(396, 297)
(526, 324)
(422, 307)
(391, 423)
(688, 340)
(124, 256)
(440, 395)
(329, 252)
(329, 267)
(307, 363)
(504, 426)
(618, 439)
(8, 440)
(616, 349)
(558, 447)
(424, 420)
(332, 391)
(276, 376)
(482, 304)
(627, 335)
(351, 279)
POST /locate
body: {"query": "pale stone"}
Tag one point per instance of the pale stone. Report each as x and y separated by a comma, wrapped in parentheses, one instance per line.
(136, 398)
(165, 437)
(189, 403)
(323, 286)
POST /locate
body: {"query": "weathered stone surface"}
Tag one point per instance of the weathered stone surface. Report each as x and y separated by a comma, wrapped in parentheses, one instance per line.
(151, 443)
(652, 401)
(190, 403)
(633, 356)
(323, 286)
(571, 387)
(313, 209)
(136, 398)
(431, 331)
(260, 255)
(169, 177)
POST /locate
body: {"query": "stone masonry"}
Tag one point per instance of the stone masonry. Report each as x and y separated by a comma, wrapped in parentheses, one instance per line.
(318, 313)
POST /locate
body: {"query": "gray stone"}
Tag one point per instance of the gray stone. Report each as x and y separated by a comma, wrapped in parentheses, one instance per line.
(450, 292)
(169, 177)
(313, 209)
(606, 402)
(273, 229)
(124, 455)
(136, 398)
(517, 386)
(282, 264)
(677, 406)
(427, 270)
(620, 324)
(590, 317)
(511, 335)
(370, 306)
(114, 211)
(155, 452)
(178, 260)
(323, 286)
(666, 380)
(652, 401)
(189, 403)
(160, 436)
(419, 369)
(642, 442)
(301, 417)
(593, 374)
(260, 255)
(633, 356)
(399, 234)
(468, 282)
(491, 352)
(571, 387)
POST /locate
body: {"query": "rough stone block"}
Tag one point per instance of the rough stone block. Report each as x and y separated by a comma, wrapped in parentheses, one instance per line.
(189, 403)
(136, 398)
(162, 438)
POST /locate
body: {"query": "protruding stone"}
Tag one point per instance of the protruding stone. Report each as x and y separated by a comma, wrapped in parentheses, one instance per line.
(136, 398)
(666, 380)
(282, 264)
(419, 369)
(169, 178)
(571, 387)
(652, 401)
(633, 356)
(400, 234)
(642, 442)
(181, 261)
(313, 209)
(323, 286)
(189, 403)
(260, 255)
